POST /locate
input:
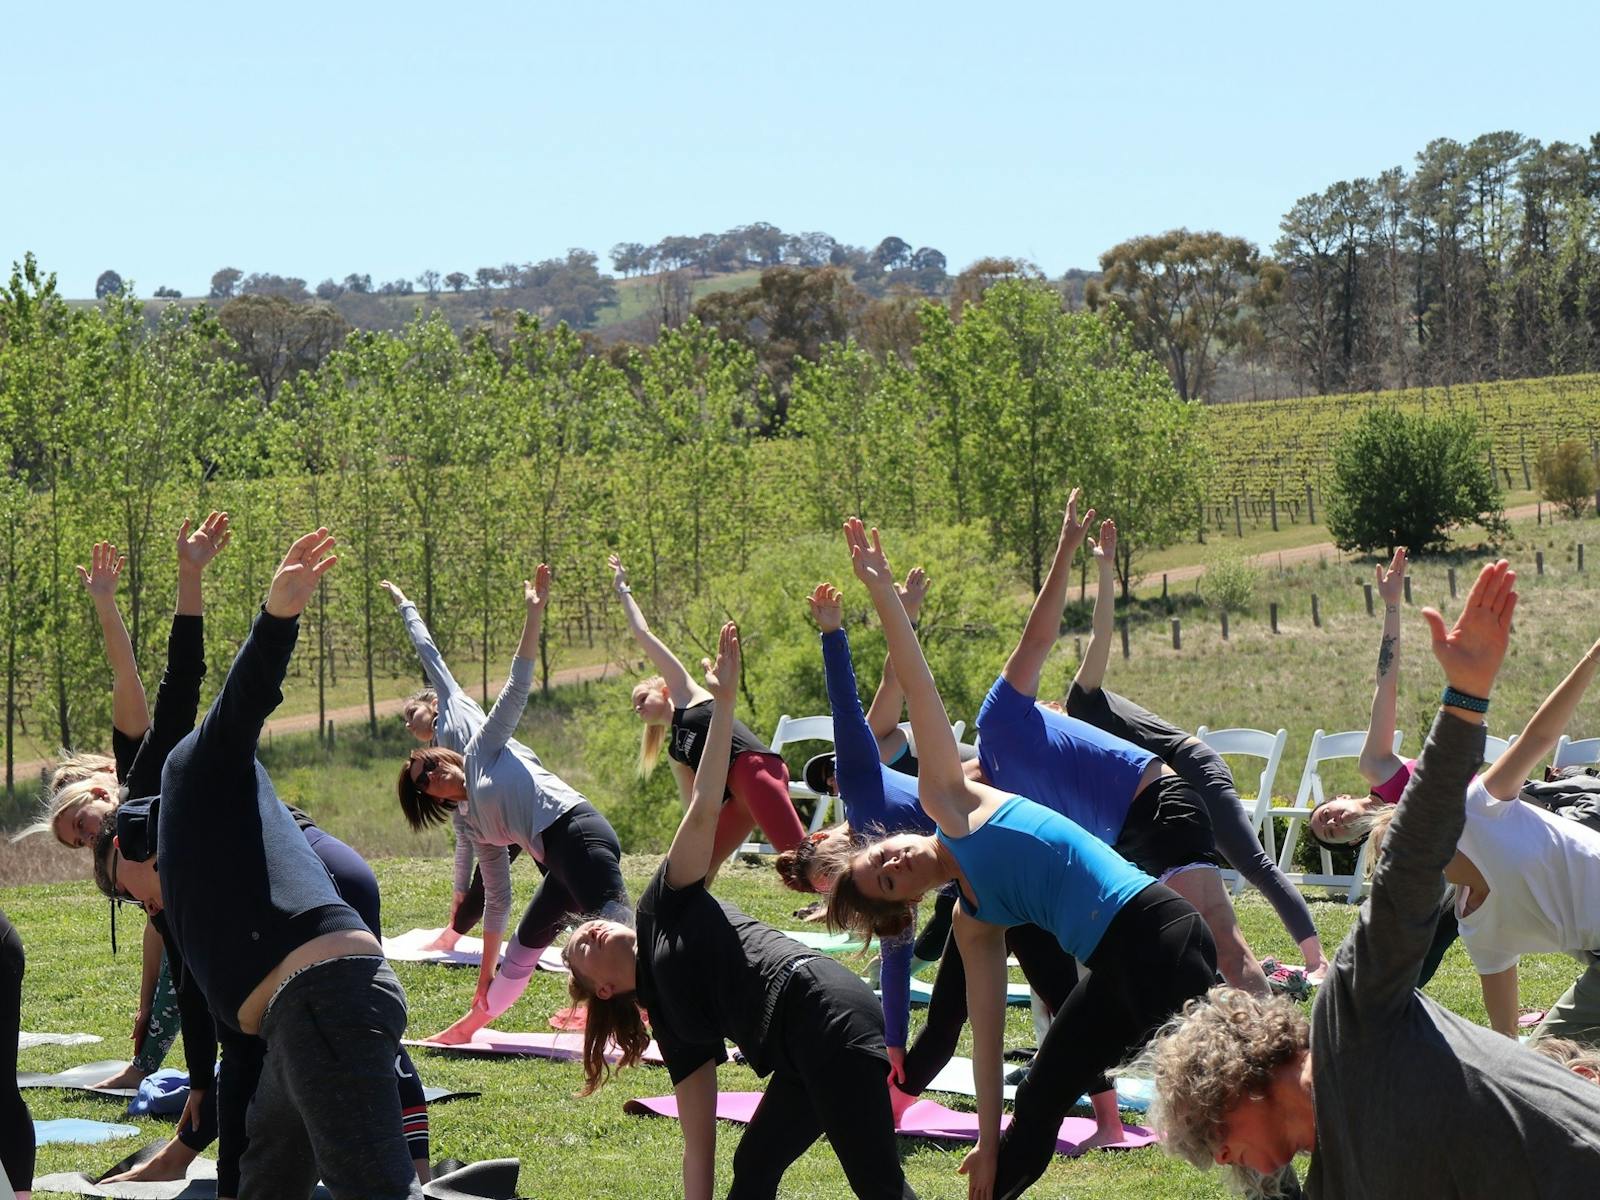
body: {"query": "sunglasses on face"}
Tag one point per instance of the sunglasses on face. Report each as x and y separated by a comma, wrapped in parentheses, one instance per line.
(420, 778)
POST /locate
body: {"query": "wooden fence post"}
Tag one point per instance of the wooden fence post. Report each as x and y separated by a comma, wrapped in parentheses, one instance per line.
(1367, 589)
(1316, 611)
(1224, 624)
(1580, 556)
(1177, 634)
(1238, 528)
(1272, 495)
(1451, 573)
(1125, 652)
(1408, 589)
(1311, 507)
(1538, 561)
(1274, 607)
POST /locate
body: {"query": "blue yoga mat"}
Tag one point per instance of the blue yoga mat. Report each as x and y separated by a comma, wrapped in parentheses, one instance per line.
(78, 1129)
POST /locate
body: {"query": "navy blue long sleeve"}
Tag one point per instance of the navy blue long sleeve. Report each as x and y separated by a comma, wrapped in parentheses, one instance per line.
(876, 799)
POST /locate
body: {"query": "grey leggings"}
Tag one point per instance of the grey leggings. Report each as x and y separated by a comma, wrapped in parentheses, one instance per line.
(1203, 769)
(327, 1103)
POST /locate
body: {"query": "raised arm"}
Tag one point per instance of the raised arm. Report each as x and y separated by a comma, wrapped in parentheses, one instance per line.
(941, 785)
(1380, 960)
(1378, 761)
(883, 714)
(130, 713)
(689, 858)
(195, 552)
(1044, 622)
(1505, 778)
(1091, 675)
(856, 762)
(501, 725)
(681, 689)
(254, 686)
(432, 661)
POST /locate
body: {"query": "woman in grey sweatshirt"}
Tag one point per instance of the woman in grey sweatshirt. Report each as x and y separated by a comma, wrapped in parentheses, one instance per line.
(504, 796)
(1250, 1083)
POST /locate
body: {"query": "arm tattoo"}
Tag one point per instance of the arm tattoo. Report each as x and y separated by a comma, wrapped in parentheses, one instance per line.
(1386, 655)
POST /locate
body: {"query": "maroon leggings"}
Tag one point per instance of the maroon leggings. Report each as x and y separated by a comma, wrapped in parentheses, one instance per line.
(758, 794)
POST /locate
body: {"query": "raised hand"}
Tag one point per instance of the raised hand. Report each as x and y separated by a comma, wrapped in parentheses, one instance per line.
(826, 609)
(301, 570)
(722, 676)
(619, 573)
(913, 592)
(1073, 529)
(866, 556)
(1392, 579)
(197, 549)
(1104, 548)
(105, 569)
(1470, 652)
(536, 592)
(394, 591)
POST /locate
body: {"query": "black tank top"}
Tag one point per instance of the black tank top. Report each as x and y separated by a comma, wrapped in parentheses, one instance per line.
(688, 735)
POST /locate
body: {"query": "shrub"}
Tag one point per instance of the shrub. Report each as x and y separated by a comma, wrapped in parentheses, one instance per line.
(1567, 477)
(1406, 480)
(1229, 584)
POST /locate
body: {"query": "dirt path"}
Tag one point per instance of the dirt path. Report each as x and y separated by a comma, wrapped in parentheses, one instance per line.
(1298, 554)
(356, 714)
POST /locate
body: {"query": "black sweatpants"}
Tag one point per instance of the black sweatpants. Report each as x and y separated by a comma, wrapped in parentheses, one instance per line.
(1156, 954)
(16, 1123)
(826, 1044)
(1050, 971)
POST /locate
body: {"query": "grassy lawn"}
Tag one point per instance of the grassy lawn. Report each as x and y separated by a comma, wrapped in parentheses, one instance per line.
(573, 1146)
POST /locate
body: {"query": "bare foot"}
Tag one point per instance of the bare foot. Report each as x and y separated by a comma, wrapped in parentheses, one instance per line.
(1104, 1137)
(445, 940)
(172, 1162)
(463, 1030)
(899, 1101)
(129, 1077)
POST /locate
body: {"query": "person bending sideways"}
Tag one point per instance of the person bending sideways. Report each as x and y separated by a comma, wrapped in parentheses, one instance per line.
(1526, 880)
(676, 712)
(275, 951)
(510, 798)
(444, 715)
(1196, 763)
(1019, 863)
(1249, 1083)
(706, 972)
(1120, 793)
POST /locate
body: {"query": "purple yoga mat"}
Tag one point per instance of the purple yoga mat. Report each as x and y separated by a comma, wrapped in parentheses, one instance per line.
(562, 1046)
(925, 1118)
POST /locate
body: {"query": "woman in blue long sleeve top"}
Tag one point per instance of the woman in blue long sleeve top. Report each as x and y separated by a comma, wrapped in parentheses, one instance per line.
(264, 935)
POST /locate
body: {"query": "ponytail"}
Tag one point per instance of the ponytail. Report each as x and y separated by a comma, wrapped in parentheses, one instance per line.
(606, 1022)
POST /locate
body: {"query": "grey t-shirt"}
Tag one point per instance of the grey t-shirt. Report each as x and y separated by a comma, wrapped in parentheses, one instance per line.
(1411, 1099)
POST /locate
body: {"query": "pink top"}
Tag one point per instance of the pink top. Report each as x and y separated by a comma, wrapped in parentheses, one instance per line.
(1389, 790)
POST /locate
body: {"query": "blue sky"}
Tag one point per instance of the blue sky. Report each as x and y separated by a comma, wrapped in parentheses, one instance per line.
(166, 141)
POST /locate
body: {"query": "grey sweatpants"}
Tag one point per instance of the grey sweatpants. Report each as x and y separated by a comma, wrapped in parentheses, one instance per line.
(327, 1105)
(1577, 1014)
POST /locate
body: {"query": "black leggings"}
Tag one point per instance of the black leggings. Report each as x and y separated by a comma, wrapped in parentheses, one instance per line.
(1156, 954)
(1050, 971)
(930, 942)
(471, 910)
(582, 861)
(829, 1063)
(16, 1123)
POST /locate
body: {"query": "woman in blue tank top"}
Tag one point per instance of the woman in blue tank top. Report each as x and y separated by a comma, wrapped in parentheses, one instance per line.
(1017, 862)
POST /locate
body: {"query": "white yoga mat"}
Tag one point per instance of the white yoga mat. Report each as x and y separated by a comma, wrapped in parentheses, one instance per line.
(468, 952)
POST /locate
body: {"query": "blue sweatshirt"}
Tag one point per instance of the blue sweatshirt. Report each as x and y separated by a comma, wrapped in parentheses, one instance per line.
(241, 887)
(877, 800)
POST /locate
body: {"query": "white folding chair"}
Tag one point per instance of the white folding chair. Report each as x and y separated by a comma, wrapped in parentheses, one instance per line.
(1494, 747)
(1252, 743)
(1325, 747)
(791, 730)
(1580, 752)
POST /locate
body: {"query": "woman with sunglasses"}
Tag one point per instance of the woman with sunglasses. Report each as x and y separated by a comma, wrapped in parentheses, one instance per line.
(443, 714)
(507, 797)
(676, 712)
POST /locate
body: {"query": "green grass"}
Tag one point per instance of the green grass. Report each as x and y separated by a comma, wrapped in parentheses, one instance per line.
(572, 1146)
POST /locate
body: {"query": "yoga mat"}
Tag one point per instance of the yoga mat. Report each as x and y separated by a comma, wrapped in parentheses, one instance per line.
(1016, 993)
(1526, 1020)
(563, 1047)
(408, 947)
(80, 1130)
(78, 1079)
(439, 1095)
(956, 1079)
(925, 1118)
(26, 1040)
(494, 1179)
(571, 1018)
(824, 942)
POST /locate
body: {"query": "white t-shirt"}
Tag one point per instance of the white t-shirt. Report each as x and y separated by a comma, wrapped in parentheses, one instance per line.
(1544, 882)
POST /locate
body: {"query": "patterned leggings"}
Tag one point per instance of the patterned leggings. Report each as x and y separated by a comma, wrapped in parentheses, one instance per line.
(163, 1028)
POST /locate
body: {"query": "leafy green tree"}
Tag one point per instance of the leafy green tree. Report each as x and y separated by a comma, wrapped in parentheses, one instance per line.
(108, 284)
(1567, 476)
(1407, 480)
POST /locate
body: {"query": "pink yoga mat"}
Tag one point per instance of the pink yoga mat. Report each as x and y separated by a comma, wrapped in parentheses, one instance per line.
(925, 1118)
(571, 1018)
(1528, 1020)
(562, 1046)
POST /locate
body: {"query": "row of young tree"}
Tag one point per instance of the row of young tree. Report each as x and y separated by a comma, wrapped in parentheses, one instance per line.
(452, 464)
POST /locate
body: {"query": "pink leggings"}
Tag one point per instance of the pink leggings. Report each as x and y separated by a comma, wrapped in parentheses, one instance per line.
(758, 794)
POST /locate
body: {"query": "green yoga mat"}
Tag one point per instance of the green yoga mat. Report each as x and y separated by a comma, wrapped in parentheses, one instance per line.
(824, 942)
